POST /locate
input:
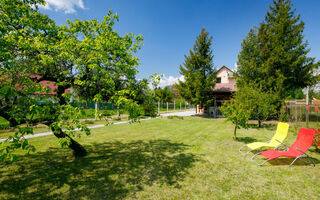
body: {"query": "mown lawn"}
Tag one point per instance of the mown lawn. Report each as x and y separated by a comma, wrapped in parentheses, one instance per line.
(190, 158)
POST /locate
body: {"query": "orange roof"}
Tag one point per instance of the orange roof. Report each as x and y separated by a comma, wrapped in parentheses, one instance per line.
(52, 85)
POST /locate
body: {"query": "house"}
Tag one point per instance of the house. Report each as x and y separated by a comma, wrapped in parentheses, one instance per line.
(225, 84)
(223, 90)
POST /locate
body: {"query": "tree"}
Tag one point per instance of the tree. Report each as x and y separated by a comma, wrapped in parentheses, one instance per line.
(258, 101)
(236, 112)
(89, 56)
(198, 72)
(274, 55)
(164, 95)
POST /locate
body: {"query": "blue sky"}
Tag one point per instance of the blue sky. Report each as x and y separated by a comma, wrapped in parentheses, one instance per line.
(170, 27)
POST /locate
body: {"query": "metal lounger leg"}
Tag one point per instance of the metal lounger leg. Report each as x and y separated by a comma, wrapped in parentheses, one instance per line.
(244, 154)
(259, 164)
(311, 161)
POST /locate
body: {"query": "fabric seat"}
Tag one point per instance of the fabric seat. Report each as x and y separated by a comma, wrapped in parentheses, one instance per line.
(297, 150)
(275, 141)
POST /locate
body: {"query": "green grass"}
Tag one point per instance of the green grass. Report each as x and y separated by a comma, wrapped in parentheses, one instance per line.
(189, 158)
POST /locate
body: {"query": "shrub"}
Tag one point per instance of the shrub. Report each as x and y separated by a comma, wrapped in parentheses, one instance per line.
(149, 109)
(316, 140)
(175, 117)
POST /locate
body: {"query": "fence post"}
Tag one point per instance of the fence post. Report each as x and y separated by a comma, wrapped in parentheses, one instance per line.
(158, 107)
(180, 105)
(167, 107)
(307, 116)
(174, 106)
(185, 105)
(96, 110)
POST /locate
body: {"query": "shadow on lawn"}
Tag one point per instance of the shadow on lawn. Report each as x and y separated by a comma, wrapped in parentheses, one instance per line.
(111, 171)
(287, 161)
(246, 140)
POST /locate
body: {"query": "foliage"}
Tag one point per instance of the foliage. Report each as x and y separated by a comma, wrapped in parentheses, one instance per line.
(316, 140)
(134, 111)
(175, 117)
(149, 107)
(164, 95)
(295, 94)
(236, 112)
(274, 55)
(198, 72)
(258, 101)
(89, 56)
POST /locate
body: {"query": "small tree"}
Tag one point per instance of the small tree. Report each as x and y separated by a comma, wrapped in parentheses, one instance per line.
(258, 101)
(236, 112)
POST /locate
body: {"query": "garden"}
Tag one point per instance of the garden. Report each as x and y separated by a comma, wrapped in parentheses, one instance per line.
(178, 158)
(76, 122)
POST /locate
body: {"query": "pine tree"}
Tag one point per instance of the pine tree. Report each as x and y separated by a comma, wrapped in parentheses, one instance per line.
(198, 72)
(274, 55)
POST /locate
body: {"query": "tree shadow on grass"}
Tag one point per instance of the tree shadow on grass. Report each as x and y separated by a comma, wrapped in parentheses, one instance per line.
(111, 171)
(269, 127)
(246, 140)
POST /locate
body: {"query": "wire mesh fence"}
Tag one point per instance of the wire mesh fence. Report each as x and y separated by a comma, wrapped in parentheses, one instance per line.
(302, 113)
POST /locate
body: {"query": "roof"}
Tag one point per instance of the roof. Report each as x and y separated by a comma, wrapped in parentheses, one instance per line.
(52, 85)
(225, 87)
(224, 67)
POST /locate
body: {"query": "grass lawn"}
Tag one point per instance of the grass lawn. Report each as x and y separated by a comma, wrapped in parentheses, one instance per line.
(190, 158)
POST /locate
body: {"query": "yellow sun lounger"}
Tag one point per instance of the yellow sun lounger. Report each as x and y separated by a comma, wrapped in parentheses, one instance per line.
(275, 142)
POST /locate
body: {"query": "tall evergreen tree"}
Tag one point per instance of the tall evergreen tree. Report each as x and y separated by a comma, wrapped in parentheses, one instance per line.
(274, 55)
(199, 72)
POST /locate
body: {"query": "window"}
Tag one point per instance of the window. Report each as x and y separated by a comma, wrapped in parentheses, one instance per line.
(218, 80)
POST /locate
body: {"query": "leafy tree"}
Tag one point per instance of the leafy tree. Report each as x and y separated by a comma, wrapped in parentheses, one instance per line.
(198, 72)
(260, 102)
(88, 56)
(236, 112)
(164, 95)
(274, 55)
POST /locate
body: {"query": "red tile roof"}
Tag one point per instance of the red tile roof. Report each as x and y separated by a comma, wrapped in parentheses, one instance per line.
(52, 85)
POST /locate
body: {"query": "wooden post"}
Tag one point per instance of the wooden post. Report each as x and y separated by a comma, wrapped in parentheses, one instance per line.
(158, 107)
(174, 105)
(180, 105)
(167, 107)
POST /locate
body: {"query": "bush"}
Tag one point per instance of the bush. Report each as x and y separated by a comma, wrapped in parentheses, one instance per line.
(134, 111)
(175, 117)
(108, 113)
(88, 121)
(316, 140)
(150, 110)
(4, 126)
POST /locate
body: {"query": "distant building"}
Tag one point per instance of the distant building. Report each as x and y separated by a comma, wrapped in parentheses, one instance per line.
(223, 90)
(225, 84)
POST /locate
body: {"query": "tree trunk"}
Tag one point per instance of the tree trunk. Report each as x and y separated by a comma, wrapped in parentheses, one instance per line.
(235, 132)
(78, 149)
(259, 123)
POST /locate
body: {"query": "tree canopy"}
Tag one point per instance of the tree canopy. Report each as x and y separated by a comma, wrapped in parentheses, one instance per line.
(274, 55)
(88, 56)
(199, 72)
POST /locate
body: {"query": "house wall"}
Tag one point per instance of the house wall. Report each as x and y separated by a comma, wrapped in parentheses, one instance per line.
(223, 74)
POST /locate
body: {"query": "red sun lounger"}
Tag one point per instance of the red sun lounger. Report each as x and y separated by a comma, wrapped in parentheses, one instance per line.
(297, 150)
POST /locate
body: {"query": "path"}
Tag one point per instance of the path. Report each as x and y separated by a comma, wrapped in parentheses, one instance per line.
(185, 113)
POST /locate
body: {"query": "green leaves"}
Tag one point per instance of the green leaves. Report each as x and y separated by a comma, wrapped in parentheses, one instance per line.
(274, 55)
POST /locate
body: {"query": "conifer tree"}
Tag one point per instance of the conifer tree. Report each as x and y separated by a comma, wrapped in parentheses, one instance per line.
(199, 72)
(274, 55)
